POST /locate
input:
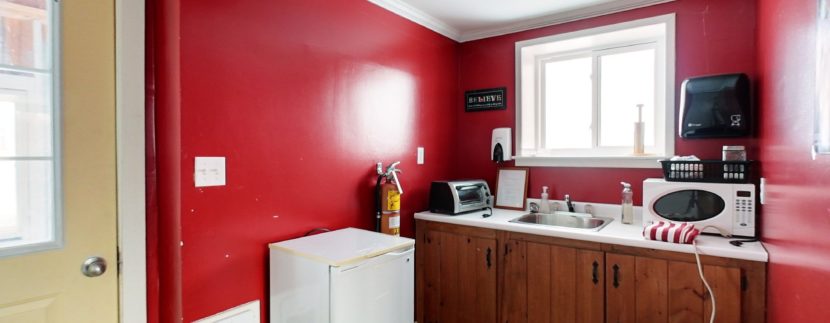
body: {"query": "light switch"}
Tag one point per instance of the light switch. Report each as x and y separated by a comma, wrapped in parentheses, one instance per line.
(210, 171)
(763, 191)
(420, 155)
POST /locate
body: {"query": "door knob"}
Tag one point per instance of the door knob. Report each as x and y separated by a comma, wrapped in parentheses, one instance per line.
(94, 266)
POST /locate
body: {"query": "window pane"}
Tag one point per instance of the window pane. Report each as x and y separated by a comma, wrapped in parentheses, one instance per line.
(627, 79)
(24, 36)
(27, 170)
(26, 201)
(567, 103)
(25, 115)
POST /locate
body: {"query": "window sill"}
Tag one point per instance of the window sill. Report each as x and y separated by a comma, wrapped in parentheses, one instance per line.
(593, 162)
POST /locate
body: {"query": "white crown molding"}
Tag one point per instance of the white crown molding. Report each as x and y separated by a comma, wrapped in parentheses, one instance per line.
(419, 17)
(561, 18)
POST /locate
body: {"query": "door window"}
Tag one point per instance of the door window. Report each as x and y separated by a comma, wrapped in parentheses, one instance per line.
(29, 142)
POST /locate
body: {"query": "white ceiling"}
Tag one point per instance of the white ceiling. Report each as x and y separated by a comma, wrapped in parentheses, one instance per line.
(465, 20)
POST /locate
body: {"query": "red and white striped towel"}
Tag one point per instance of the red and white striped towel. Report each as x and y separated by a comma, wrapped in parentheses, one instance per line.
(671, 232)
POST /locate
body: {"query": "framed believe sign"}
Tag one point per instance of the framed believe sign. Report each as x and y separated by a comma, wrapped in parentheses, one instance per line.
(486, 99)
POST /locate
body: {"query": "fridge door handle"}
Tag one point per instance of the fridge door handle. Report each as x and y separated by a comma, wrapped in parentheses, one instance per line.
(395, 254)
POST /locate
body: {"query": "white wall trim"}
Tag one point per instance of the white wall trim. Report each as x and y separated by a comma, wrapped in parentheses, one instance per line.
(129, 84)
(405, 10)
(561, 18)
(417, 16)
(248, 312)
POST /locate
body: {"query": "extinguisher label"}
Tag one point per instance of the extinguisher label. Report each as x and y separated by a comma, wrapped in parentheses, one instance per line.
(394, 222)
(393, 201)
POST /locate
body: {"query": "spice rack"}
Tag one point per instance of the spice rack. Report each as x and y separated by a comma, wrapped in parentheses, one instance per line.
(710, 171)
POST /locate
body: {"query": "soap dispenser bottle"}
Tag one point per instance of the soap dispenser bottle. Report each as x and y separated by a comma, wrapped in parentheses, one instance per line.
(627, 204)
(544, 204)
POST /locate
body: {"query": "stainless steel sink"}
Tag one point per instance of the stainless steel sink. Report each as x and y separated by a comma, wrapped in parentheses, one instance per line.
(565, 219)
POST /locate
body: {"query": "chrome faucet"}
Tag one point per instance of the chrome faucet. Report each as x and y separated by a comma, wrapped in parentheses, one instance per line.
(569, 203)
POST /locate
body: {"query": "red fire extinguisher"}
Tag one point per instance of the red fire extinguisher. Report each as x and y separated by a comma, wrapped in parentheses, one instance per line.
(389, 211)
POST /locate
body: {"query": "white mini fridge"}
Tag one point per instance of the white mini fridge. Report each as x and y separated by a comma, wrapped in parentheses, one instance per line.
(343, 276)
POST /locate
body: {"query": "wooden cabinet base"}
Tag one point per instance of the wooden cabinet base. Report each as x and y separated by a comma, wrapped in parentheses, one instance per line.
(455, 274)
(467, 274)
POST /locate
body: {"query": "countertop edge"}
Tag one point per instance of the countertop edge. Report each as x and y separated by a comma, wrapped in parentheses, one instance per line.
(619, 234)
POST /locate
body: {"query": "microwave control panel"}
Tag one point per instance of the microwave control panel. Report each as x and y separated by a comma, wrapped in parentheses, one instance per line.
(744, 209)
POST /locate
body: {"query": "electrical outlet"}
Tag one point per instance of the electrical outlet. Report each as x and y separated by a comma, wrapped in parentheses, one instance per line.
(209, 171)
(420, 155)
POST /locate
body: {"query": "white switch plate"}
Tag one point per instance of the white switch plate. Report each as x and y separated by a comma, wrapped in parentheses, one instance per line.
(209, 171)
(420, 155)
(763, 191)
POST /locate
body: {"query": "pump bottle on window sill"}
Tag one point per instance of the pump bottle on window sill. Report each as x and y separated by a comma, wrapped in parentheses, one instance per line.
(639, 134)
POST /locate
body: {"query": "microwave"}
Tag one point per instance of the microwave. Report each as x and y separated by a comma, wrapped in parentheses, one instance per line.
(712, 207)
(455, 197)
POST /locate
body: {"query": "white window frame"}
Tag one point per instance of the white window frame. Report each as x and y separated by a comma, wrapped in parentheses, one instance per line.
(54, 11)
(600, 156)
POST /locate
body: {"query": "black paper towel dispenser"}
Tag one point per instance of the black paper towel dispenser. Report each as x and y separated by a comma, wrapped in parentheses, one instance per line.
(715, 106)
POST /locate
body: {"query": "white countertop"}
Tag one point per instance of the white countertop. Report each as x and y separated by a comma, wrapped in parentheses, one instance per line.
(614, 233)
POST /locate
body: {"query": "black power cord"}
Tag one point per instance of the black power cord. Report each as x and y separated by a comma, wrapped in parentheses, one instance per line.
(738, 243)
(487, 215)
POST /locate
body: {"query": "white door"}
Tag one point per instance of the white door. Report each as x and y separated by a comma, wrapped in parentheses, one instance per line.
(57, 176)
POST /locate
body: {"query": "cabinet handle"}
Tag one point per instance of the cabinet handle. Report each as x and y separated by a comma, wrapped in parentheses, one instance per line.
(489, 251)
(595, 273)
(616, 275)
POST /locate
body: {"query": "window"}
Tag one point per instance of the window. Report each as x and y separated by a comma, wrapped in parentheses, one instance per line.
(578, 96)
(29, 127)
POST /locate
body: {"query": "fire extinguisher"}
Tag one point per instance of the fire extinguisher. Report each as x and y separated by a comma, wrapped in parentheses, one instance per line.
(388, 196)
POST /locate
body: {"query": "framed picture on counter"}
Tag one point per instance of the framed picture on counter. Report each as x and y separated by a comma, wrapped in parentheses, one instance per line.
(511, 188)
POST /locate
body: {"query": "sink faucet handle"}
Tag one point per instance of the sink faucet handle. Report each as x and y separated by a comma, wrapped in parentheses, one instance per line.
(589, 209)
(534, 207)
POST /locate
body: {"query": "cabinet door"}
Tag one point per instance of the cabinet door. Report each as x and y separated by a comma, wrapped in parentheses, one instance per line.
(549, 283)
(636, 289)
(620, 289)
(690, 302)
(459, 283)
(646, 290)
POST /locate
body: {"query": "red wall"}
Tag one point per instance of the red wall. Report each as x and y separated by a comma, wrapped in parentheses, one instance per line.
(796, 218)
(302, 97)
(712, 37)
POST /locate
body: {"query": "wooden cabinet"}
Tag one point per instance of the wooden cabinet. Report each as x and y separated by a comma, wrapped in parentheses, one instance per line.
(546, 280)
(455, 274)
(646, 285)
(466, 274)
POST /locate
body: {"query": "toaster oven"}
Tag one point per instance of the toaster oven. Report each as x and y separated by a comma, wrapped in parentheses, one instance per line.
(455, 197)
